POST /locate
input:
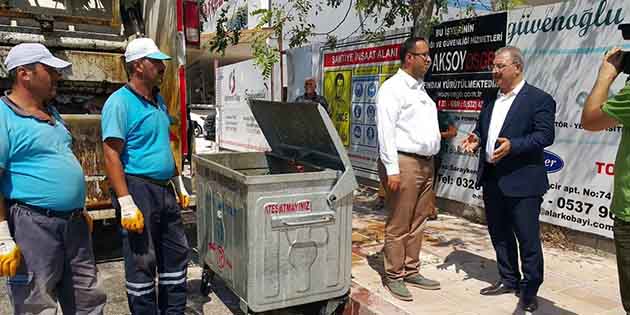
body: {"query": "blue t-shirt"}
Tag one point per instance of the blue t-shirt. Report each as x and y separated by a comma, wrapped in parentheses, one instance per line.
(39, 166)
(143, 127)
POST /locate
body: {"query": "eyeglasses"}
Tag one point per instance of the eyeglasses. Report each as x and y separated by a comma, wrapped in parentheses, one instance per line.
(424, 55)
(499, 66)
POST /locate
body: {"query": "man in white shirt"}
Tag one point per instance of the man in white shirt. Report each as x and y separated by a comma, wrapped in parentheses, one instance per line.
(512, 131)
(409, 137)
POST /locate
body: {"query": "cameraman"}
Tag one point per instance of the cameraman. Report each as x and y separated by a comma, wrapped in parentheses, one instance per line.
(599, 114)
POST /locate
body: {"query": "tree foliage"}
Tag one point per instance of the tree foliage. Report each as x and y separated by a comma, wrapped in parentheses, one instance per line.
(291, 20)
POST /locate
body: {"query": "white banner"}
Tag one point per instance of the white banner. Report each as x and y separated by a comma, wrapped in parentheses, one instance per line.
(237, 127)
(563, 45)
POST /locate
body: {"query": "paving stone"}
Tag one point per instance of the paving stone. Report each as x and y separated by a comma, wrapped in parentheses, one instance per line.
(575, 282)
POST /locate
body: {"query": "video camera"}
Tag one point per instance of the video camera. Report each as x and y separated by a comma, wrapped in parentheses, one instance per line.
(625, 61)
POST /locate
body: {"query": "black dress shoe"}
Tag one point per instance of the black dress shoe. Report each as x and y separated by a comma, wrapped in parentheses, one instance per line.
(498, 288)
(529, 304)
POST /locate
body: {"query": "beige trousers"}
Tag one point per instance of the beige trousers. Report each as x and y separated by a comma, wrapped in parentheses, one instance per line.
(407, 211)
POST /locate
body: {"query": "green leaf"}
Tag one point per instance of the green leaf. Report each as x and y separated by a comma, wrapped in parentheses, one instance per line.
(384, 13)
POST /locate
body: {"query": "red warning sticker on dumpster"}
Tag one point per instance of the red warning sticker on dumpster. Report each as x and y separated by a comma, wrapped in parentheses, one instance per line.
(219, 251)
(288, 207)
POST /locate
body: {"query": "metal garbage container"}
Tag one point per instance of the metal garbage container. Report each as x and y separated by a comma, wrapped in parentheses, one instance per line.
(276, 226)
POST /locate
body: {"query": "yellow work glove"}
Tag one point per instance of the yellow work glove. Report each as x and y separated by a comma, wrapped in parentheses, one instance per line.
(182, 194)
(10, 256)
(89, 220)
(131, 217)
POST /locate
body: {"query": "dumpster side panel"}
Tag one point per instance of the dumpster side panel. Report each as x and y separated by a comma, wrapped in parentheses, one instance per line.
(299, 245)
(222, 230)
(204, 201)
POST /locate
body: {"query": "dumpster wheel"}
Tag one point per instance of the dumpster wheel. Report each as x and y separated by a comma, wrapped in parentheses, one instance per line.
(206, 279)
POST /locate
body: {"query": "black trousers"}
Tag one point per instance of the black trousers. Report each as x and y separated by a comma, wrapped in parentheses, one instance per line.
(514, 226)
(160, 250)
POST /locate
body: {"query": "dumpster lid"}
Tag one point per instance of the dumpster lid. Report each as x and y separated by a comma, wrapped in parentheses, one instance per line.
(301, 132)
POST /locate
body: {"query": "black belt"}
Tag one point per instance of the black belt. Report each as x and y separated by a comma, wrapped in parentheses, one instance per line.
(47, 212)
(163, 183)
(418, 156)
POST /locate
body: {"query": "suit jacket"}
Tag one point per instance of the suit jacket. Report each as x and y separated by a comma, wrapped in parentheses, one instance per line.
(529, 125)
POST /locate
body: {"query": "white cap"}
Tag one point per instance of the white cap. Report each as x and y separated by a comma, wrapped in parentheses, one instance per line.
(28, 53)
(143, 48)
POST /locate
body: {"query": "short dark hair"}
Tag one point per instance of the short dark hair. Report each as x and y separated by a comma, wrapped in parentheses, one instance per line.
(408, 45)
(129, 67)
(12, 75)
(339, 77)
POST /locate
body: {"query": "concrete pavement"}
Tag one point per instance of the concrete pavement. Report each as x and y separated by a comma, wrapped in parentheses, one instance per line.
(459, 254)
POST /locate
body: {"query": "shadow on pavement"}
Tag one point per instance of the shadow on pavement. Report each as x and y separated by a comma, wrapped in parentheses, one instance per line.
(544, 307)
(473, 265)
(194, 300)
(226, 296)
(375, 261)
(484, 269)
(232, 302)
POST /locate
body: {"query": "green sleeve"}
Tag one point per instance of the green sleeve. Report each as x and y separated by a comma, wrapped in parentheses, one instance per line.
(618, 106)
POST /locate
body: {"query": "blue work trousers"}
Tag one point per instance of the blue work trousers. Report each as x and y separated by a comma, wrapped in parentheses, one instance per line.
(160, 253)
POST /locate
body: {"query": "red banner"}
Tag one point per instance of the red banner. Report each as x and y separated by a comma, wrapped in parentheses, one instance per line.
(362, 56)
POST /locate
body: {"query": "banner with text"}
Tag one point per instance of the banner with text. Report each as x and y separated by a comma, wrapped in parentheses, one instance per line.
(459, 81)
(461, 53)
(563, 45)
(351, 77)
(238, 129)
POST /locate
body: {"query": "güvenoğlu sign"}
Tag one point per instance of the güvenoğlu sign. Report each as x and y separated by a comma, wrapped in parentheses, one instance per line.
(584, 20)
(563, 45)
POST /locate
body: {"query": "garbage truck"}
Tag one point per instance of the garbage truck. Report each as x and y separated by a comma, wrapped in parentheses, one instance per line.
(92, 35)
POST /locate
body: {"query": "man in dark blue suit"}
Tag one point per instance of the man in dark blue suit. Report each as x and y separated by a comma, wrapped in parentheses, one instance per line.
(513, 129)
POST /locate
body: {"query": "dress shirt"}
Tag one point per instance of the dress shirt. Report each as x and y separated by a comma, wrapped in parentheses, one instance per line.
(499, 112)
(406, 118)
